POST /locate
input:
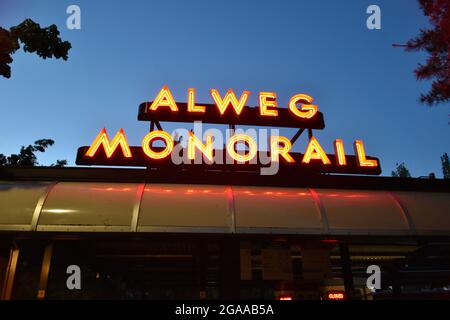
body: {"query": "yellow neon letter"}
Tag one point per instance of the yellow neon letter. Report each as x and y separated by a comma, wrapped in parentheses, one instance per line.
(157, 135)
(191, 102)
(207, 149)
(339, 152)
(315, 151)
(306, 110)
(164, 99)
(252, 147)
(276, 150)
(361, 155)
(229, 98)
(109, 147)
(268, 99)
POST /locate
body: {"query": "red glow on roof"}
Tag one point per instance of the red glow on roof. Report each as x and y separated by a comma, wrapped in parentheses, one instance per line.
(285, 297)
(111, 189)
(329, 241)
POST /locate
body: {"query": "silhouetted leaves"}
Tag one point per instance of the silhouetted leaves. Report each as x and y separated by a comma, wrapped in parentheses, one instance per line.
(45, 42)
(401, 171)
(445, 161)
(27, 155)
(7, 47)
(436, 43)
(59, 163)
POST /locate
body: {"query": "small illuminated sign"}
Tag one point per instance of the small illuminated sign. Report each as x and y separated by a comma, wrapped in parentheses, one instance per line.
(301, 113)
(285, 298)
(335, 295)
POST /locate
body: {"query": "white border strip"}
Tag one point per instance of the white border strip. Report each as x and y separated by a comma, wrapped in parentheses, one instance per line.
(321, 209)
(405, 213)
(137, 207)
(40, 205)
(231, 208)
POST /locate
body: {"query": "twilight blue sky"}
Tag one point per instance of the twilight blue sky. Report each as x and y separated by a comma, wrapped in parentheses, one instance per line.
(127, 50)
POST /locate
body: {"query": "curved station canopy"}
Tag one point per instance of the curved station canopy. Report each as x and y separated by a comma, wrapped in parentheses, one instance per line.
(96, 206)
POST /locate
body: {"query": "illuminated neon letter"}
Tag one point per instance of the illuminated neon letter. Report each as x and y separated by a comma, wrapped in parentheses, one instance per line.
(229, 98)
(276, 150)
(164, 99)
(315, 151)
(306, 111)
(191, 102)
(252, 147)
(207, 149)
(339, 152)
(157, 135)
(109, 147)
(361, 155)
(268, 99)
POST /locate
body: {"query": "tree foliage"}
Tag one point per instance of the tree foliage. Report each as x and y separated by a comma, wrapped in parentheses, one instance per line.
(436, 43)
(445, 166)
(27, 155)
(401, 171)
(45, 42)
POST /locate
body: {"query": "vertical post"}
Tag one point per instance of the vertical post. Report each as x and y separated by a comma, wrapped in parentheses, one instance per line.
(45, 270)
(10, 274)
(396, 281)
(347, 270)
(230, 274)
(201, 256)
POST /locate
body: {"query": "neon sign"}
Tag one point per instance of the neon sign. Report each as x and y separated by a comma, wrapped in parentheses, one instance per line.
(335, 295)
(230, 108)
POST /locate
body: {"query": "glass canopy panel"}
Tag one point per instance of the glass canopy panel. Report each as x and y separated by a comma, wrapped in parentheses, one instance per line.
(362, 212)
(172, 207)
(89, 207)
(430, 211)
(18, 201)
(271, 209)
